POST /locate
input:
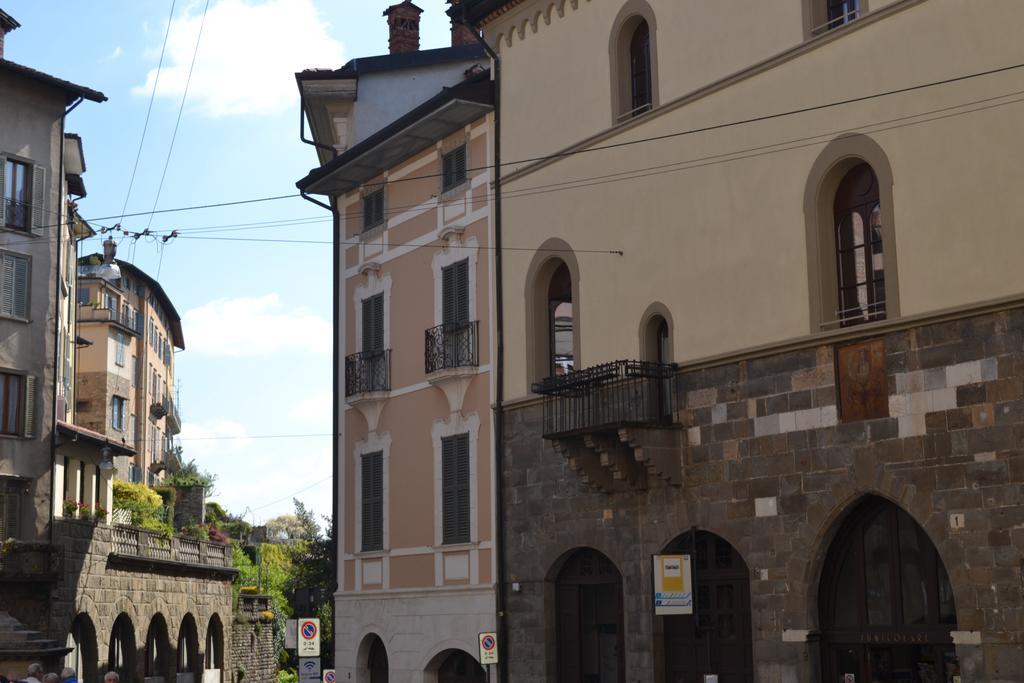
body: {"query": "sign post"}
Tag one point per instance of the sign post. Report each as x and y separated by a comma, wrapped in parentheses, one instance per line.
(488, 648)
(309, 640)
(673, 585)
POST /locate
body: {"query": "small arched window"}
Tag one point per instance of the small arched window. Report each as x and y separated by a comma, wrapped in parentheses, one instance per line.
(640, 69)
(859, 249)
(561, 323)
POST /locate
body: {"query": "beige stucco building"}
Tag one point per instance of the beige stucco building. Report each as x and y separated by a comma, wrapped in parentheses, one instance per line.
(787, 215)
(125, 386)
(415, 498)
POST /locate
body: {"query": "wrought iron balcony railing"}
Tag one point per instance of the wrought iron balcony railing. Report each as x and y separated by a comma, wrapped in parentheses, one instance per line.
(624, 393)
(452, 345)
(367, 372)
(132, 322)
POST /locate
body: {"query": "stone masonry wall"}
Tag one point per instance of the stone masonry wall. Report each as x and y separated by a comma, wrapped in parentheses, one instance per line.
(770, 465)
(103, 588)
(253, 652)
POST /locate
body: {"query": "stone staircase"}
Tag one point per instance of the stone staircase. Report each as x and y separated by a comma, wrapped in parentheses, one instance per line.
(18, 641)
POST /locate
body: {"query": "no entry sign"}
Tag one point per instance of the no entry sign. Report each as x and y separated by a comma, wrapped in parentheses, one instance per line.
(309, 638)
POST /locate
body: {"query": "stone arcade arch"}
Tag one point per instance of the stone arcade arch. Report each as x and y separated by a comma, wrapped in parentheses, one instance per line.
(83, 656)
(458, 666)
(213, 657)
(718, 638)
(589, 619)
(188, 650)
(372, 657)
(158, 651)
(885, 601)
(121, 653)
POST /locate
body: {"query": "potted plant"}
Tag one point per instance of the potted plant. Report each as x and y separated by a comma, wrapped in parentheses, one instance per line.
(85, 511)
(99, 513)
(70, 508)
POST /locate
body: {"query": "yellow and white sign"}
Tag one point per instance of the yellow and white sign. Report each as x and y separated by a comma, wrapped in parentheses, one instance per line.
(673, 585)
(488, 648)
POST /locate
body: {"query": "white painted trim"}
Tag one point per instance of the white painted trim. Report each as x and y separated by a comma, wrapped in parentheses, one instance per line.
(443, 258)
(374, 442)
(414, 551)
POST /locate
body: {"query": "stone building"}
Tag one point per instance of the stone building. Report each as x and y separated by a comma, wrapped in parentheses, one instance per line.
(415, 505)
(797, 219)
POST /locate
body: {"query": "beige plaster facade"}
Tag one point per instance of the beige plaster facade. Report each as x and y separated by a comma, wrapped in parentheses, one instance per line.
(727, 215)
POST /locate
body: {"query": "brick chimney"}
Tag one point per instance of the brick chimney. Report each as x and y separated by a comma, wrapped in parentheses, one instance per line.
(462, 35)
(7, 24)
(404, 27)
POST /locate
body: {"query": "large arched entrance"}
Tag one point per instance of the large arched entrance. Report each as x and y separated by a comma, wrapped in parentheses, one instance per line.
(886, 605)
(121, 653)
(460, 667)
(188, 650)
(213, 658)
(158, 651)
(377, 661)
(588, 604)
(717, 639)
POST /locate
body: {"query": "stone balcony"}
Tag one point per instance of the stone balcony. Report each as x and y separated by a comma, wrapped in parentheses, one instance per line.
(22, 561)
(133, 545)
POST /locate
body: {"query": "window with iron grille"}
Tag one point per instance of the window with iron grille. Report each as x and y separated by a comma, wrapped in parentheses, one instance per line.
(10, 506)
(14, 285)
(841, 12)
(373, 501)
(373, 323)
(24, 192)
(455, 521)
(373, 209)
(453, 168)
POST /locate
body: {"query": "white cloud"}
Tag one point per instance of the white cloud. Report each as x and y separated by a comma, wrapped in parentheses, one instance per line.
(254, 326)
(118, 51)
(248, 56)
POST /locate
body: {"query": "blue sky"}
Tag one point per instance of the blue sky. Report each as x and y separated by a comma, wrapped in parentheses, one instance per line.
(256, 315)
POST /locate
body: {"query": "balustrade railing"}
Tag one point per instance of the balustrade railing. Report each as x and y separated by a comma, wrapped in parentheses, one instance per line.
(617, 394)
(452, 345)
(135, 542)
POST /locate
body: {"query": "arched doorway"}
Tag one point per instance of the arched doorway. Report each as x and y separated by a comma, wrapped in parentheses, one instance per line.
(158, 650)
(214, 656)
(121, 653)
(717, 639)
(885, 602)
(188, 650)
(460, 667)
(588, 609)
(83, 656)
(377, 661)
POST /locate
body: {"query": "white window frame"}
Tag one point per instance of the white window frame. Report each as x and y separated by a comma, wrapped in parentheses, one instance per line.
(456, 424)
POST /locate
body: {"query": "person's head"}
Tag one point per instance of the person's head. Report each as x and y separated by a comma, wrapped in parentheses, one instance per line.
(51, 678)
(66, 673)
(35, 670)
(111, 677)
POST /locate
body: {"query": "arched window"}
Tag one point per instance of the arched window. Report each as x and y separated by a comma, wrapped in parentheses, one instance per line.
(188, 650)
(640, 69)
(721, 641)
(588, 608)
(859, 250)
(121, 653)
(82, 641)
(158, 649)
(561, 322)
(886, 604)
(460, 667)
(655, 339)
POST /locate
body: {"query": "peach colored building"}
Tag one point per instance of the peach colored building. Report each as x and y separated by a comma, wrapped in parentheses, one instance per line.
(125, 378)
(415, 511)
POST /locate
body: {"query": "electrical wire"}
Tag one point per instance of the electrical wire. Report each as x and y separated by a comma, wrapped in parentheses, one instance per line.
(291, 495)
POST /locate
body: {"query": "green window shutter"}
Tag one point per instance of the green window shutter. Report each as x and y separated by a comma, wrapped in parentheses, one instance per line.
(3, 191)
(373, 501)
(30, 407)
(455, 514)
(20, 287)
(455, 292)
(373, 209)
(38, 199)
(6, 284)
(453, 167)
(373, 323)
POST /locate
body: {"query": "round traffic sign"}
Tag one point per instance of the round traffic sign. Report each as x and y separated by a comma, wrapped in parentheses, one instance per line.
(487, 642)
(329, 677)
(308, 630)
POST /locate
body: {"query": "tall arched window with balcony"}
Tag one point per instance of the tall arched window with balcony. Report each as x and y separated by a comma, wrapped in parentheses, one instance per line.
(640, 69)
(561, 322)
(633, 49)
